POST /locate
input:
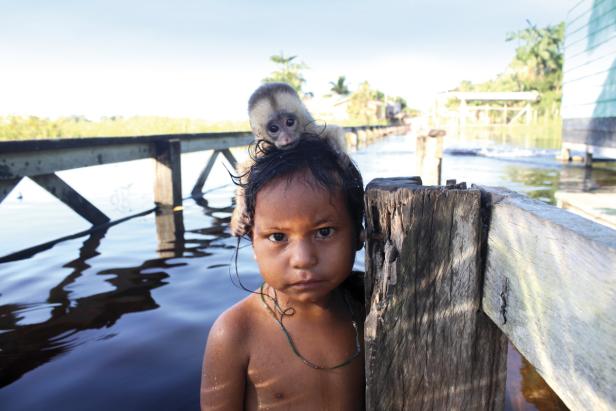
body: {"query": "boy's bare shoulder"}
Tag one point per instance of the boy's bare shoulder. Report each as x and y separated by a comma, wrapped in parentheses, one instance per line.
(235, 325)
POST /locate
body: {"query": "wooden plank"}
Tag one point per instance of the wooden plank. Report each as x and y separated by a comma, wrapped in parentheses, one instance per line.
(198, 187)
(25, 158)
(591, 66)
(550, 286)
(65, 193)
(494, 95)
(428, 346)
(6, 186)
(574, 62)
(578, 16)
(220, 143)
(596, 109)
(591, 131)
(34, 157)
(31, 163)
(168, 181)
(597, 21)
(579, 50)
(597, 206)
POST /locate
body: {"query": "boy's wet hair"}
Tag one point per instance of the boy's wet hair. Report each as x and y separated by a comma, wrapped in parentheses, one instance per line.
(331, 170)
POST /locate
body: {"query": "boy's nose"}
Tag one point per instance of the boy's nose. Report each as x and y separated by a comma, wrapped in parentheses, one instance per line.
(303, 254)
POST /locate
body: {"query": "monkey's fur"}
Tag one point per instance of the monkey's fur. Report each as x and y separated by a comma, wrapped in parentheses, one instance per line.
(277, 115)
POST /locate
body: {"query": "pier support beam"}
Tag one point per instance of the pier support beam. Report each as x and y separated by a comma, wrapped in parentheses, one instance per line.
(429, 156)
(168, 182)
(428, 345)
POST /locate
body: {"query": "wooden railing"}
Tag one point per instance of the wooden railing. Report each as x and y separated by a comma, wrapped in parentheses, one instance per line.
(40, 160)
(453, 273)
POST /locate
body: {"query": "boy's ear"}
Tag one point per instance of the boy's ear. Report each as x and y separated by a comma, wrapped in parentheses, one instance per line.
(361, 238)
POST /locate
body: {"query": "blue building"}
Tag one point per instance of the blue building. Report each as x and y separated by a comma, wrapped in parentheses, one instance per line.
(589, 80)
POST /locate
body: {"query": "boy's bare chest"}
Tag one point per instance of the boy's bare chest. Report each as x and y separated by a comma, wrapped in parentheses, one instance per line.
(278, 379)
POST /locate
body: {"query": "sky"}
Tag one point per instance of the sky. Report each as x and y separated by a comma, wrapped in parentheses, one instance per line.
(202, 58)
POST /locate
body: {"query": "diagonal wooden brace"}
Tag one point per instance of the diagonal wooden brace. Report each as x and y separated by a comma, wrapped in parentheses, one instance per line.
(65, 193)
(6, 186)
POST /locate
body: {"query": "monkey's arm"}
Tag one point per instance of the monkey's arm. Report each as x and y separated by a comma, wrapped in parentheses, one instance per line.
(239, 219)
(335, 137)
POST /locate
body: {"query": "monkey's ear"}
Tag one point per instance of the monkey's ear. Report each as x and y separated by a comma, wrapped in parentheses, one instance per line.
(361, 238)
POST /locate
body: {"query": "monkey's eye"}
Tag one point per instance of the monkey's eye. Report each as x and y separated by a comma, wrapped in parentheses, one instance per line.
(273, 128)
(290, 122)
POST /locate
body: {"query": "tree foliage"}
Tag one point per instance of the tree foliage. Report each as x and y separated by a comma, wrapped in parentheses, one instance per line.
(339, 86)
(537, 65)
(289, 71)
(362, 104)
(32, 127)
(538, 61)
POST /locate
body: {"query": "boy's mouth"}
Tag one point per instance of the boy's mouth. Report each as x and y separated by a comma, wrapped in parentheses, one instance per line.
(307, 283)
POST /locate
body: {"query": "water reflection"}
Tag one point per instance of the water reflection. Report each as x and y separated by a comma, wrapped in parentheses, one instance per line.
(526, 390)
(24, 347)
(543, 182)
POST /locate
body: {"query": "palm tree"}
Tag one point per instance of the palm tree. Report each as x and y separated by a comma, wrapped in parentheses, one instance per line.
(339, 87)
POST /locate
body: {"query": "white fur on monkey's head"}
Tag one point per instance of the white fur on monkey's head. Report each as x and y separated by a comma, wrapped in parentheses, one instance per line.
(272, 99)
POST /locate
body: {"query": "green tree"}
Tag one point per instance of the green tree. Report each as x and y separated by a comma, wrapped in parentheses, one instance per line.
(340, 87)
(538, 61)
(289, 71)
(537, 65)
(362, 105)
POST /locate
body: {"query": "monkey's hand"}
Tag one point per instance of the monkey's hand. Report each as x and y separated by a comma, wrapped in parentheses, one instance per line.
(239, 220)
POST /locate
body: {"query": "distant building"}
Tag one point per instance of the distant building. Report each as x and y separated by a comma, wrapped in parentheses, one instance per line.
(589, 80)
(328, 108)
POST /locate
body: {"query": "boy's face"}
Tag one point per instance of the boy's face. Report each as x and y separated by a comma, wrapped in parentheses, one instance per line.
(303, 238)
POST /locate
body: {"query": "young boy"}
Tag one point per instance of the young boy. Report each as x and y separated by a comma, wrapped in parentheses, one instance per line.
(296, 343)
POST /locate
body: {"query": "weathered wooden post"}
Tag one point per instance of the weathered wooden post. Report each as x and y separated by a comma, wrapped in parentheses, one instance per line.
(351, 139)
(429, 156)
(168, 181)
(428, 345)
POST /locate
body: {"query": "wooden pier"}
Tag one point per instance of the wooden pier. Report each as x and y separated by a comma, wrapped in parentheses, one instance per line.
(40, 160)
(453, 273)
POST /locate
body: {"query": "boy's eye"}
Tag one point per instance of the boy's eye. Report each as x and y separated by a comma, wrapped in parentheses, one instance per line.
(276, 237)
(325, 232)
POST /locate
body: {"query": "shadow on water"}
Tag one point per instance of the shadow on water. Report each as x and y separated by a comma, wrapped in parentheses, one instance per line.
(26, 347)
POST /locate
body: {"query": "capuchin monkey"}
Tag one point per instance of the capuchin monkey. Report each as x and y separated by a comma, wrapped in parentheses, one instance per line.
(277, 115)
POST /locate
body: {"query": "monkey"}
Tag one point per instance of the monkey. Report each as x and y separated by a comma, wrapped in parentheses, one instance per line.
(277, 115)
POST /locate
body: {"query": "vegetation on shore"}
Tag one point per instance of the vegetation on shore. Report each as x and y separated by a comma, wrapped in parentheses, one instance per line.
(537, 65)
(22, 128)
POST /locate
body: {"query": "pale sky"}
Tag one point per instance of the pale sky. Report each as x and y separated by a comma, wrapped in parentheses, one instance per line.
(203, 58)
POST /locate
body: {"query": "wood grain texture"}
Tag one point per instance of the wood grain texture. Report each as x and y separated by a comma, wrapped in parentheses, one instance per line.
(428, 346)
(550, 285)
(168, 182)
(589, 72)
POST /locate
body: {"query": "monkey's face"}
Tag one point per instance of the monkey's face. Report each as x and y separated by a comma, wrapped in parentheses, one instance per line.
(283, 130)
